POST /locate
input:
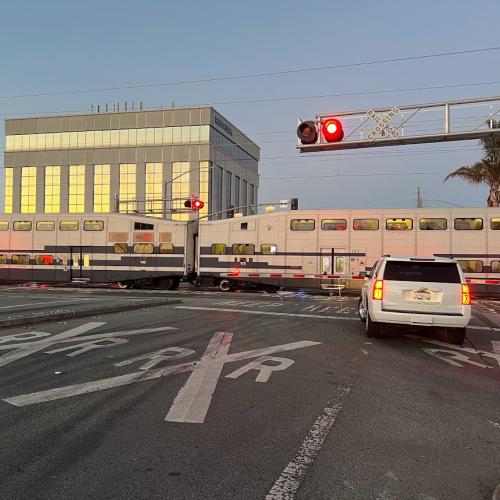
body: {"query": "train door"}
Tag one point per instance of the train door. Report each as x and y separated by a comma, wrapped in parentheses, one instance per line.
(80, 263)
(333, 262)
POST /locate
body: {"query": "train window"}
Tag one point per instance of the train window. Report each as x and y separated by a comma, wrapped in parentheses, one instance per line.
(21, 225)
(20, 259)
(468, 224)
(218, 249)
(244, 226)
(93, 225)
(495, 266)
(302, 225)
(120, 248)
(143, 248)
(44, 260)
(433, 224)
(69, 225)
(243, 249)
(494, 224)
(398, 224)
(3, 259)
(166, 248)
(268, 249)
(45, 225)
(471, 266)
(365, 224)
(4, 225)
(333, 224)
(143, 226)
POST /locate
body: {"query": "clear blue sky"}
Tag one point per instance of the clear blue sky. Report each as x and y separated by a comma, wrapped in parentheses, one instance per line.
(59, 45)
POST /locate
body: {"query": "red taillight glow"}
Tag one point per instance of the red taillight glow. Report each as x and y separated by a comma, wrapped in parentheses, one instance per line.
(378, 290)
(466, 298)
(333, 130)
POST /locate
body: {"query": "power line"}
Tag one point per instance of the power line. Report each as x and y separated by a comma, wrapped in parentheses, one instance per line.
(375, 174)
(256, 75)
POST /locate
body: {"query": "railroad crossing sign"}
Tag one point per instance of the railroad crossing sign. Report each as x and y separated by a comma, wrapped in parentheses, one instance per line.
(383, 124)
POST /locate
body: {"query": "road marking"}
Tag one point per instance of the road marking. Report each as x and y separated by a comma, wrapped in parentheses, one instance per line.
(496, 349)
(291, 478)
(265, 370)
(44, 303)
(448, 356)
(193, 400)
(269, 313)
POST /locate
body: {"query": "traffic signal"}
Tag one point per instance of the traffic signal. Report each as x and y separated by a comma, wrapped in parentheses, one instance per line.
(187, 203)
(230, 212)
(294, 203)
(332, 130)
(197, 204)
(307, 132)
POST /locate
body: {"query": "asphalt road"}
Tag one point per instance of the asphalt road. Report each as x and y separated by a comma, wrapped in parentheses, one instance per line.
(236, 396)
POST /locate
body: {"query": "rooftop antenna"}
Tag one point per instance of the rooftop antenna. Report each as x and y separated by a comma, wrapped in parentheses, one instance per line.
(140, 105)
(106, 107)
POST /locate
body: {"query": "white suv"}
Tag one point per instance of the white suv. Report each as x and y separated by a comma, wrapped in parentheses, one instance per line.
(420, 291)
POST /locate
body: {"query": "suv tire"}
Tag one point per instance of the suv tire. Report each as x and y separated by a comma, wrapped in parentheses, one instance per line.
(455, 336)
(372, 329)
(362, 312)
(225, 285)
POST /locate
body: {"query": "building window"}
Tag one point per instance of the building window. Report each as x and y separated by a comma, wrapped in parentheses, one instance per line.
(243, 249)
(433, 224)
(22, 225)
(204, 184)
(302, 225)
(251, 199)
(471, 266)
(4, 225)
(468, 224)
(102, 181)
(237, 203)
(143, 248)
(268, 249)
(333, 224)
(127, 187)
(181, 188)
(45, 225)
(69, 225)
(52, 190)
(9, 190)
(28, 190)
(76, 189)
(244, 198)
(228, 189)
(398, 224)
(166, 248)
(495, 224)
(93, 225)
(218, 249)
(154, 189)
(120, 248)
(365, 224)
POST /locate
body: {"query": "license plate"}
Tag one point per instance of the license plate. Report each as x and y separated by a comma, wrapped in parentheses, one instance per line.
(422, 295)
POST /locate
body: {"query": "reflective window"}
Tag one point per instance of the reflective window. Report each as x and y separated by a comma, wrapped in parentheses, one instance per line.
(143, 226)
(204, 181)
(495, 224)
(76, 189)
(120, 248)
(302, 224)
(44, 260)
(102, 179)
(93, 225)
(52, 190)
(468, 224)
(243, 249)
(45, 225)
(143, 248)
(333, 224)
(268, 249)
(495, 266)
(471, 266)
(154, 189)
(9, 187)
(433, 224)
(3, 259)
(21, 225)
(166, 248)
(4, 225)
(181, 188)
(28, 190)
(365, 224)
(398, 224)
(127, 187)
(69, 225)
(20, 259)
(339, 265)
(218, 249)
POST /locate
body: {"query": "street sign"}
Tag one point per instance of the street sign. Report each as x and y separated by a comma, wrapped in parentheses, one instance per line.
(383, 124)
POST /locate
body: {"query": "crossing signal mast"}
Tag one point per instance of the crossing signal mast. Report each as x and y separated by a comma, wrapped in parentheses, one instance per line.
(194, 203)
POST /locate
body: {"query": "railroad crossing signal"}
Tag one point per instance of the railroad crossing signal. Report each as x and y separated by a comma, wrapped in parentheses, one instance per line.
(383, 124)
(194, 203)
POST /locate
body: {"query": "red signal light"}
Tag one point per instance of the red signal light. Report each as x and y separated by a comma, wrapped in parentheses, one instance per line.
(197, 204)
(333, 130)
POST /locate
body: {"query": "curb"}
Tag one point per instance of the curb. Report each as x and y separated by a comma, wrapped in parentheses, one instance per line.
(82, 313)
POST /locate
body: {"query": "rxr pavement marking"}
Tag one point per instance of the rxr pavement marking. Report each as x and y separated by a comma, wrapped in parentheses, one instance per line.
(193, 400)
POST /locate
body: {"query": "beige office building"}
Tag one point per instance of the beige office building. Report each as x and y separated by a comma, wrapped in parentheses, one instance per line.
(145, 161)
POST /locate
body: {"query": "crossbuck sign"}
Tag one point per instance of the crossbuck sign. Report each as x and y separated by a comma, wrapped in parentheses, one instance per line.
(383, 124)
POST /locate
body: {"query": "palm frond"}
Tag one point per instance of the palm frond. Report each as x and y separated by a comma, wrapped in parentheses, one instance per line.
(473, 174)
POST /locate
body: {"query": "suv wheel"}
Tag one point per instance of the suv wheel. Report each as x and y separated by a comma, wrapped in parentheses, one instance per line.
(372, 329)
(455, 336)
(362, 310)
(225, 285)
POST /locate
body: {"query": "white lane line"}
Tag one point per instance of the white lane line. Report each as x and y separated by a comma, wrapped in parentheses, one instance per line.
(496, 349)
(22, 352)
(42, 303)
(291, 478)
(269, 313)
(193, 400)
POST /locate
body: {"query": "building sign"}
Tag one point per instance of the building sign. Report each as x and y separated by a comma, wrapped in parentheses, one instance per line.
(223, 125)
(383, 128)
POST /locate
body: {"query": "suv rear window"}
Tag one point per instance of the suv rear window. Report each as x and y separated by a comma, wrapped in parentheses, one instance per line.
(429, 272)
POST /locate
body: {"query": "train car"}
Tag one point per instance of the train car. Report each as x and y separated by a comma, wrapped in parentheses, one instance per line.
(318, 248)
(94, 248)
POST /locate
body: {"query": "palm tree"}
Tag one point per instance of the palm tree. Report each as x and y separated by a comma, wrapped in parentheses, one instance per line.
(486, 171)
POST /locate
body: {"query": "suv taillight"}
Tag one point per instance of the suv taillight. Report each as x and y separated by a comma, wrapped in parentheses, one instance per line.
(378, 290)
(466, 299)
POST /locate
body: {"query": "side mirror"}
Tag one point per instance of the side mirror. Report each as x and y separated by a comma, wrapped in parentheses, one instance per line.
(364, 274)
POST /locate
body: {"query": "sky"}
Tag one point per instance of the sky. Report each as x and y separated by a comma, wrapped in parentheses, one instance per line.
(63, 46)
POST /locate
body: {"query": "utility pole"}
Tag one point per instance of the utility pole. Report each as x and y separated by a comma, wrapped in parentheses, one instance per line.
(419, 198)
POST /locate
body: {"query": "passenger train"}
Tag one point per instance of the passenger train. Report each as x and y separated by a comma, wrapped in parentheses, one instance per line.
(294, 249)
